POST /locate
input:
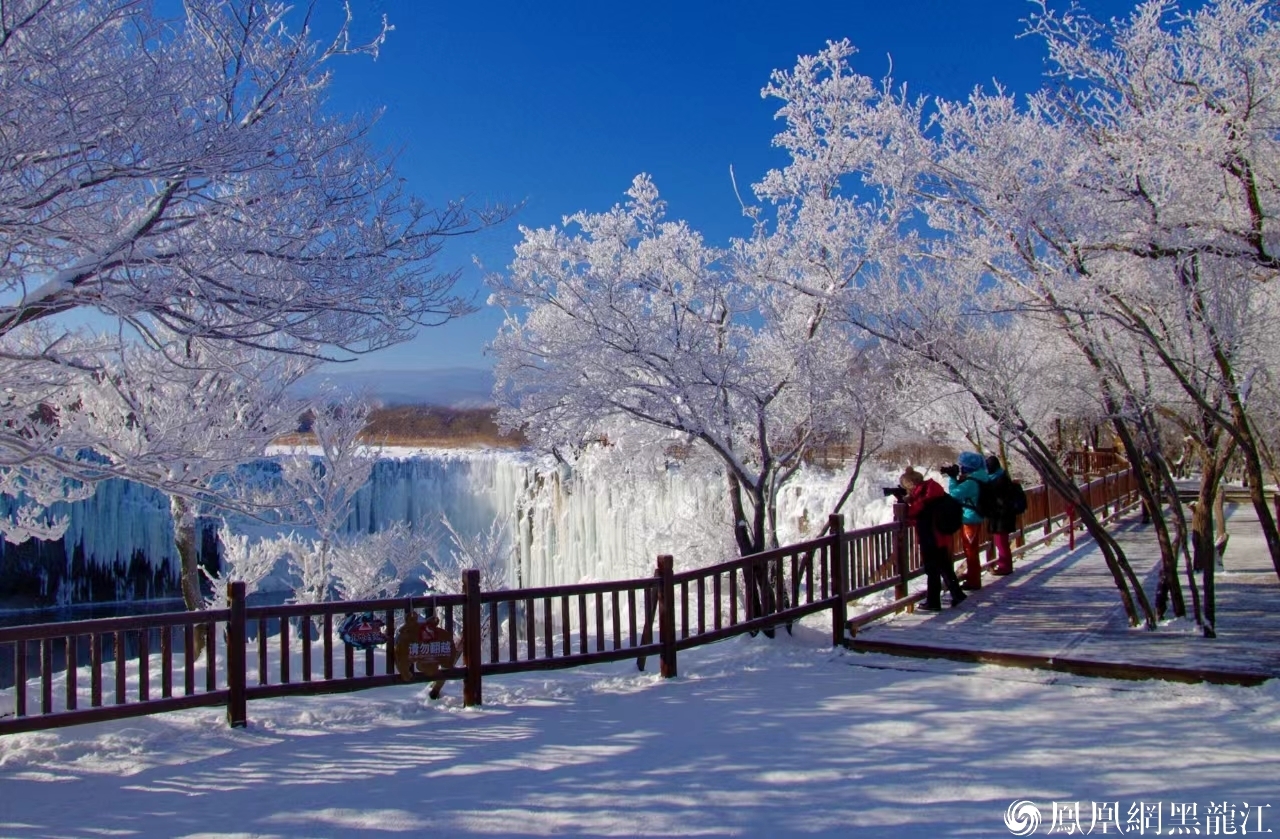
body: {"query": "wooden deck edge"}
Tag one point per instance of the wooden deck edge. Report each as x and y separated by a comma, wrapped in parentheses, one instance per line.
(1075, 666)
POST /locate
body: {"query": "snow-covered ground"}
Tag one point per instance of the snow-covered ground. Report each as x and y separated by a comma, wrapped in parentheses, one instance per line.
(754, 738)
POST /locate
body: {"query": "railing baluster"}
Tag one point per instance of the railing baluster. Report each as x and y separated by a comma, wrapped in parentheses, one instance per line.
(548, 644)
(389, 651)
(46, 675)
(684, 609)
(715, 593)
(72, 647)
(702, 605)
(530, 630)
(599, 621)
(328, 646)
(95, 670)
(284, 651)
(631, 615)
(582, 623)
(566, 627)
(348, 661)
(144, 665)
(166, 661)
(211, 656)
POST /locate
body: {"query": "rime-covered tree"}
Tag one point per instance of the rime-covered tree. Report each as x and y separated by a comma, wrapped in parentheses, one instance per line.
(636, 317)
(182, 180)
(319, 484)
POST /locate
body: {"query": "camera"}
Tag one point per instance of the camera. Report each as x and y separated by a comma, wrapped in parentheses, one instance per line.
(897, 492)
(951, 470)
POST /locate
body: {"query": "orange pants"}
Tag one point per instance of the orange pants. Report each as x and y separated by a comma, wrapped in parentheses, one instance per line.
(973, 568)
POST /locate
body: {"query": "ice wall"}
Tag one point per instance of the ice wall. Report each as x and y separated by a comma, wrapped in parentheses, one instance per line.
(568, 525)
(579, 525)
(118, 546)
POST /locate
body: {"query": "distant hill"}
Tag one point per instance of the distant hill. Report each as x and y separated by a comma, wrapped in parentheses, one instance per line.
(449, 387)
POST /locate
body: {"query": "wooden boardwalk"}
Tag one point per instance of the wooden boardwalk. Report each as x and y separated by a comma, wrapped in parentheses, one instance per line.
(1060, 610)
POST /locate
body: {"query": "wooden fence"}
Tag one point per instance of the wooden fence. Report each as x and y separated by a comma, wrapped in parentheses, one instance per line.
(149, 664)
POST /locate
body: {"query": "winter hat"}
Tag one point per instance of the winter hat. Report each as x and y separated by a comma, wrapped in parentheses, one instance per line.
(971, 462)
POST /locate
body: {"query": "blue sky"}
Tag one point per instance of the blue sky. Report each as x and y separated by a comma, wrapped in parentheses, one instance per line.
(561, 104)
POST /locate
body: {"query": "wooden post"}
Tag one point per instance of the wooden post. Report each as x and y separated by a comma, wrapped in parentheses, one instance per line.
(840, 609)
(1071, 526)
(471, 690)
(667, 616)
(900, 555)
(237, 713)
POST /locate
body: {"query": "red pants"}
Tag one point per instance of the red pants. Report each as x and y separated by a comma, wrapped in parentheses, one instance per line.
(1004, 557)
(973, 568)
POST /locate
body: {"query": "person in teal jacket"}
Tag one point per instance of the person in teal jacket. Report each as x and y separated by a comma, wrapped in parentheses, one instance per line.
(963, 480)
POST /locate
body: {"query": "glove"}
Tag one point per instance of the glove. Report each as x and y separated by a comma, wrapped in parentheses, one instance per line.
(953, 471)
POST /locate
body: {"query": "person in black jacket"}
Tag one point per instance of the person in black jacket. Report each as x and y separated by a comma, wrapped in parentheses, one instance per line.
(1005, 521)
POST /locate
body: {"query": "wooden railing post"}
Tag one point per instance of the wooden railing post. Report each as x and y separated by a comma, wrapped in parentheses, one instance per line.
(667, 616)
(237, 713)
(1071, 526)
(900, 554)
(839, 585)
(471, 689)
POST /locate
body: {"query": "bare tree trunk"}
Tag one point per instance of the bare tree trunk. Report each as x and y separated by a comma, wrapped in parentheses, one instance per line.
(1220, 523)
(757, 592)
(1169, 589)
(185, 542)
(1214, 456)
(1181, 531)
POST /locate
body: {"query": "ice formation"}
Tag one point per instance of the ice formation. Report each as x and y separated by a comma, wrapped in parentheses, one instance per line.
(569, 526)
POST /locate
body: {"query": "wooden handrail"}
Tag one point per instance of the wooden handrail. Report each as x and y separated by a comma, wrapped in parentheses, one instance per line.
(128, 623)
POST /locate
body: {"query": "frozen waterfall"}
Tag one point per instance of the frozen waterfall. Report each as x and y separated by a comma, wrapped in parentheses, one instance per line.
(568, 526)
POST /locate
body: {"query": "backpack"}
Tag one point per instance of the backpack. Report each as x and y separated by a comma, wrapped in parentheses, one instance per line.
(989, 501)
(1015, 499)
(946, 513)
